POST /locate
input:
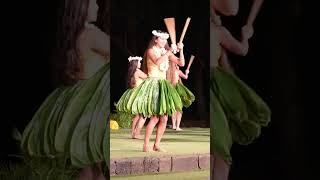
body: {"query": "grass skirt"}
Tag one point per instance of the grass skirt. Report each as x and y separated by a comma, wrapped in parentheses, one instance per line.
(186, 95)
(154, 96)
(73, 122)
(237, 113)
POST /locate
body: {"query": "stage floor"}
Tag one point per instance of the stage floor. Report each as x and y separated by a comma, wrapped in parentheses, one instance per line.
(186, 142)
(193, 175)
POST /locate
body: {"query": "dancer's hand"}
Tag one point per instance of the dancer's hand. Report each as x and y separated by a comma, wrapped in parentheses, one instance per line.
(174, 48)
(168, 49)
(247, 32)
(171, 50)
(180, 46)
(187, 72)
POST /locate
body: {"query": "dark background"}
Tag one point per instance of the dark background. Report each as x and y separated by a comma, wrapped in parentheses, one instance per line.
(280, 67)
(132, 23)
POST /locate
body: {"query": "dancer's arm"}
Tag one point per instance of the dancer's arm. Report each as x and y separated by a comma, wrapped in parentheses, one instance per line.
(141, 74)
(184, 76)
(226, 7)
(180, 61)
(248, 28)
(232, 44)
(159, 60)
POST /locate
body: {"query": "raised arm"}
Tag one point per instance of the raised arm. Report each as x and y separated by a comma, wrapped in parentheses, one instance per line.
(159, 60)
(226, 7)
(141, 74)
(184, 76)
(180, 61)
(232, 44)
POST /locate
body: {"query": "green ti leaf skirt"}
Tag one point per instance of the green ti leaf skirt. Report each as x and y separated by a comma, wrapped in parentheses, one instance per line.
(73, 122)
(154, 96)
(187, 97)
(237, 113)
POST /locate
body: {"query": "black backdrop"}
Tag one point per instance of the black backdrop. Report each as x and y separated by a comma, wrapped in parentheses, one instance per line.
(276, 68)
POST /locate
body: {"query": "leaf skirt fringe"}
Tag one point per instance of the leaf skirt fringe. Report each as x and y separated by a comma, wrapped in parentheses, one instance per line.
(73, 121)
(237, 113)
(154, 96)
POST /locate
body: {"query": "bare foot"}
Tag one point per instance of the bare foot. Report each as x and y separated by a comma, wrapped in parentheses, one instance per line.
(158, 149)
(146, 148)
(133, 135)
(137, 137)
(179, 129)
(174, 128)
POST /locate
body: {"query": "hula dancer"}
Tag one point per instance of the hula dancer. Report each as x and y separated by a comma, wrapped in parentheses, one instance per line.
(237, 112)
(186, 95)
(165, 99)
(71, 124)
(135, 78)
(155, 97)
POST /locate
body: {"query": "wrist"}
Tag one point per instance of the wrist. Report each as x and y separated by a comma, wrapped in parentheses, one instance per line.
(165, 54)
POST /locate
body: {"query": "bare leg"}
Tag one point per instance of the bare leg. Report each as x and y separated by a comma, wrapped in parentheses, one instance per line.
(139, 126)
(153, 121)
(220, 169)
(93, 172)
(99, 173)
(179, 116)
(174, 120)
(133, 127)
(211, 166)
(160, 131)
(86, 173)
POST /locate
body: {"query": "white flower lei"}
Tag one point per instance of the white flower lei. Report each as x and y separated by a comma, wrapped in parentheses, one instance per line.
(163, 35)
(159, 52)
(134, 58)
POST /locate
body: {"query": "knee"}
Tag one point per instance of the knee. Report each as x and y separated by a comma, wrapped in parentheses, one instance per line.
(164, 118)
(154, 119)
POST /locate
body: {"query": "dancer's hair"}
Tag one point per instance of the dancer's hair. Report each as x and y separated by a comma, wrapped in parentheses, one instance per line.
(150, 45)
(131, 81)
(68, 64)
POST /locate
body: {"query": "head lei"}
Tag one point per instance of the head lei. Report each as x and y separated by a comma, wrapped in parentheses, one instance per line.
(163, 35)
(131, 58)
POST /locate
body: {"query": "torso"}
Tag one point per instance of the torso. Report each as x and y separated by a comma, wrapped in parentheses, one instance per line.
(138, 80)
(92, 60)
(157, 71)
(176, 77)
(215, 48)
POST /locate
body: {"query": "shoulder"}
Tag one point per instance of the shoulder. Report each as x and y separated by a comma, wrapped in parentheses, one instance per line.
(150, 51)
(93, 33)
(138, 71)
(92, 29)
(96, 33)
